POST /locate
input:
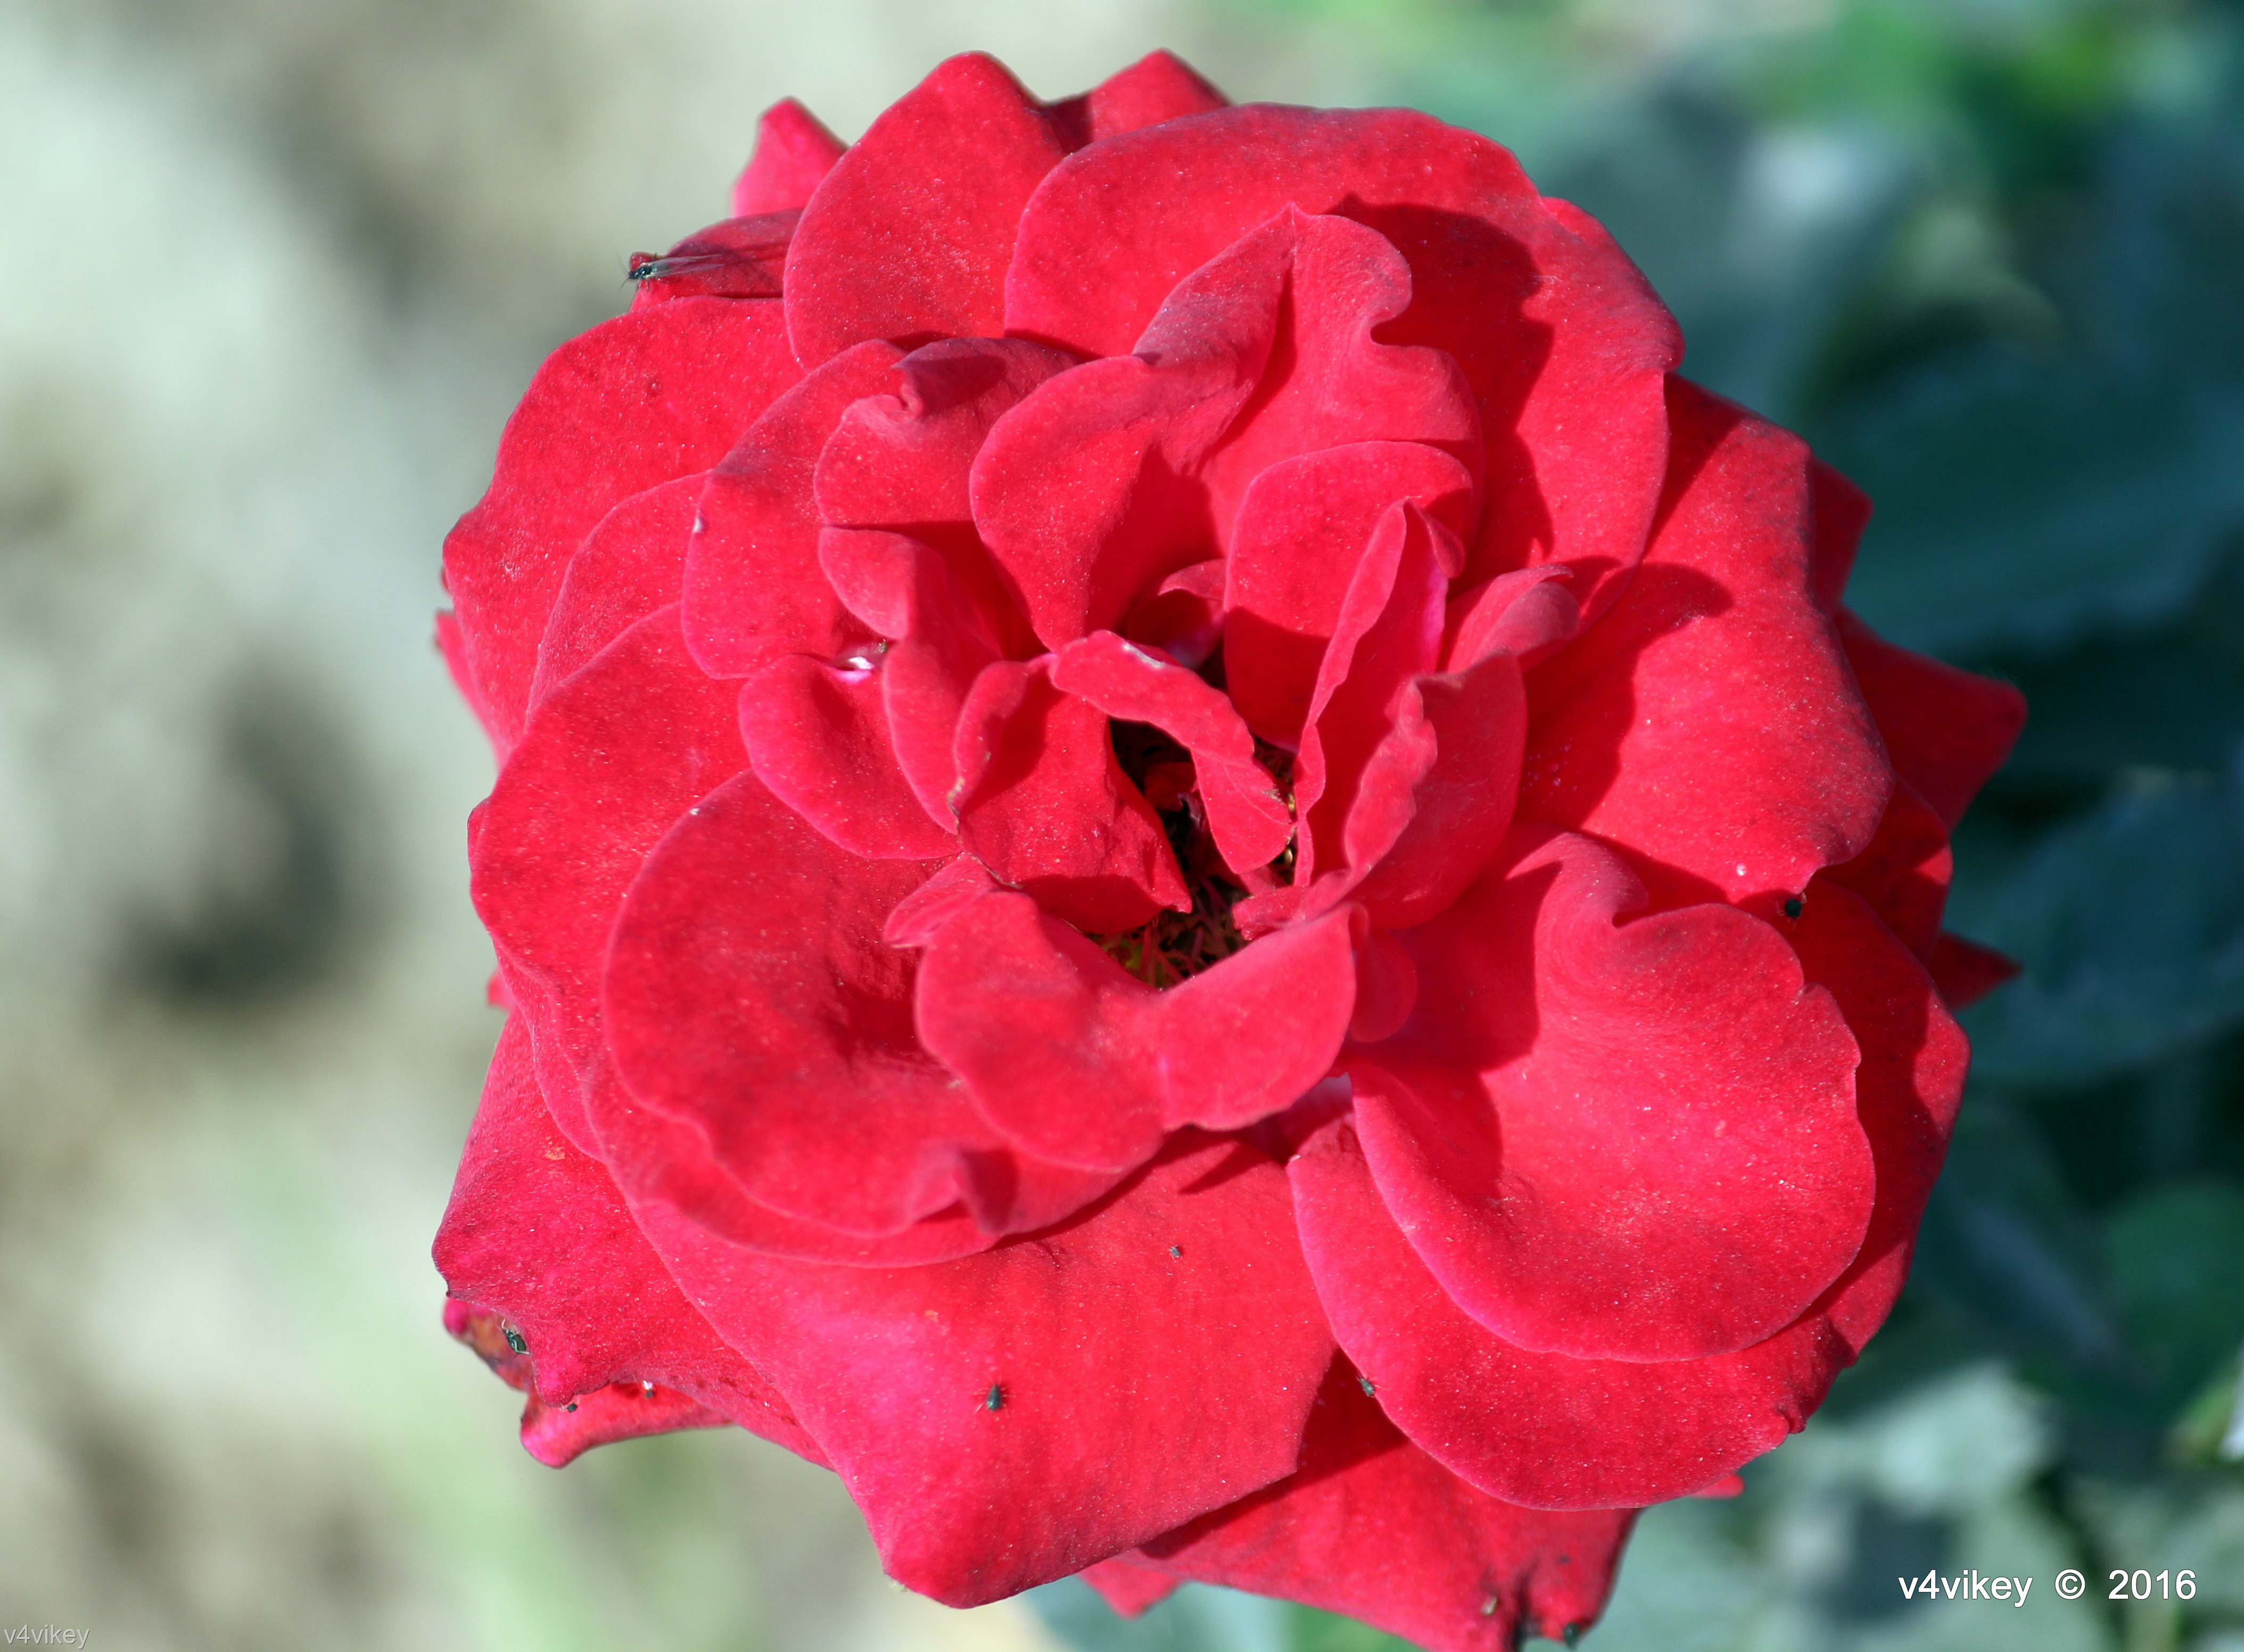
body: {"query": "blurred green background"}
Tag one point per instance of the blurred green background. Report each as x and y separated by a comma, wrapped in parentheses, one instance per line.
(274, 274)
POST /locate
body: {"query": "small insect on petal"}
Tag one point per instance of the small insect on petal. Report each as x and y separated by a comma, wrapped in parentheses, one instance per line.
(995, 1401)
(514, 1339)
(1793, 906)
(1369, 1392)
(1176, 1250)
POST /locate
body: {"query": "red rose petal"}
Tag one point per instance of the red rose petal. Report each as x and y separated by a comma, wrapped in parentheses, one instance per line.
(1629, 1141)
(1130, 1589)
(1247, 815)
(1561, 339)
(794, 152)
(939, 642)
(1541, 1430)
(749, 993)
(1373, 1527)
(635, 401)
(1946, 730)
(1159, 86)
(754, 588)
(1153, 1359)
(1716, 663)
(1526, 614)
(902, 461)
(1043, 804)
(1425, 825)
(1516, 1423)
(1124, 470)
(909, 236)
(630, 565)
(537, 1232)
(817, 737)
(613, 757)
(1388, 634)
(1967, 971)
(1082, 1063)
(657, 1160)
(1904, 873)
(1302, 527)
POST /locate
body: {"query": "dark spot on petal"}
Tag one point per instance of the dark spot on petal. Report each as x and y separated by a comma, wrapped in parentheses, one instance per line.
(1176, 1250)
(1793, 906)
(997, 1397)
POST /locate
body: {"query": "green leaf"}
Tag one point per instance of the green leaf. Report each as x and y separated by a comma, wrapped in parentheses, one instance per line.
(2130, 928)
(2022, 506)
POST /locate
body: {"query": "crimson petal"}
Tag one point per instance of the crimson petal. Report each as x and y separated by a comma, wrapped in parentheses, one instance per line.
(630, 565)
(909, 236)
(636, 402)
(1080, 1063)
(1946, 730)
(817, 737)
(1629, 1141)
(794, 153)
(1015, 1416)
(1716, 661)
(537, 1232)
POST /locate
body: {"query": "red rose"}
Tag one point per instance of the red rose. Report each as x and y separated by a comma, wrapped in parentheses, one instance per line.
(1190, 872)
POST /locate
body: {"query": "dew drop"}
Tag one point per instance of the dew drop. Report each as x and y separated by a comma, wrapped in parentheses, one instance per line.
(646, 1390)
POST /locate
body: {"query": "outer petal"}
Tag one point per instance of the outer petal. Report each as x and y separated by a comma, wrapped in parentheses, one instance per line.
(1043, 802)
(635, 401)
(1515, 1423)
(754, 588)
(536, 1231)
(630, 565)
(613, 758)
(1017, 1416)
(1904, 872)
(749, 993)
(794, 153)
(1631, 1141)
(1159, 86)
(1080, 1063)
(1946, 730)
(1374, 1528)
(910, 235)
(1560, 338)
(1716, 661)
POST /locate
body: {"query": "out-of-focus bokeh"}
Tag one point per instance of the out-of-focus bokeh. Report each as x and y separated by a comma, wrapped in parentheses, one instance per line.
(274, 272)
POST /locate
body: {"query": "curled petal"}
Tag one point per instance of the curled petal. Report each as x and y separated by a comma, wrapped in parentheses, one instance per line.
(749, 994)
(1124, 470)
(634, 402)
(817, 737)
(1013, 1417)
(1043, 802)
(1303, 525)
(1561, 341)
(1716, 661)
(794, 153)
(754, 588)
(1248, 817)
(1628, 1141)
(1080, 1063)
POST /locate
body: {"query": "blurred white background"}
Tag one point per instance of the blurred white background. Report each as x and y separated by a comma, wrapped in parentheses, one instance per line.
(273, 272)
